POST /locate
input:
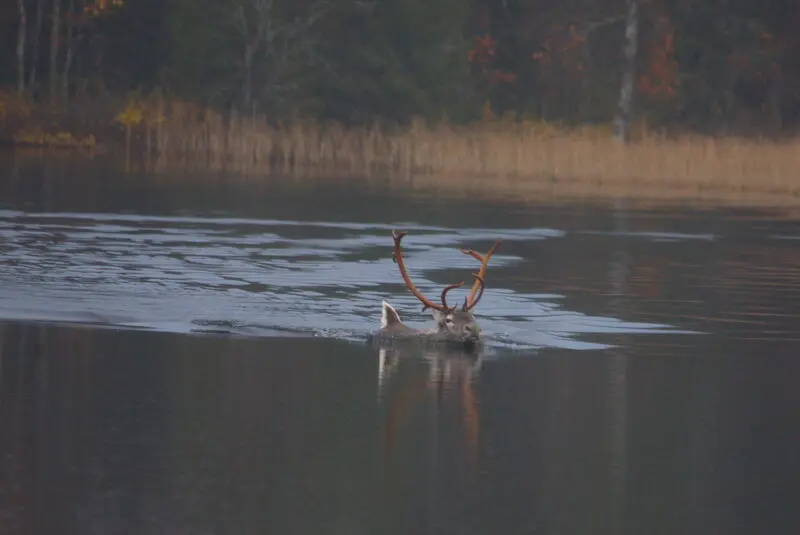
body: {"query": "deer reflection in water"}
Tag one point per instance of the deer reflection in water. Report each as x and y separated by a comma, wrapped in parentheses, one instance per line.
(451, 376)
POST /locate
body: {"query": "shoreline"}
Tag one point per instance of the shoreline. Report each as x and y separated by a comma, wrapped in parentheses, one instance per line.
(494, 158)
(518, 190)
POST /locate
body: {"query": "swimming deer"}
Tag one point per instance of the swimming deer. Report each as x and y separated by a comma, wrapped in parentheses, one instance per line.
(453, 324)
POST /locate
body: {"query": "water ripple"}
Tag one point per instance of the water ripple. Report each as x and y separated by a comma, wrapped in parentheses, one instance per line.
(258, 277)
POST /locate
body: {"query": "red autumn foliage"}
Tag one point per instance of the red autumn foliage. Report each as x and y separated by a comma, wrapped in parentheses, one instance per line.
(483, 49)
(562, 52)
(660, 80)
(482, 55)
(501, 77)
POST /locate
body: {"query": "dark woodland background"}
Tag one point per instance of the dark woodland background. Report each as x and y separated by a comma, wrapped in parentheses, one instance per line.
(718, 66)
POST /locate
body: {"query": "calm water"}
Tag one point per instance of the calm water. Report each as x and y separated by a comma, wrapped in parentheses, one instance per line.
(189, 355)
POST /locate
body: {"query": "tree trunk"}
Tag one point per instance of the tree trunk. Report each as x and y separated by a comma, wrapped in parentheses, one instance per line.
(68, 58)
(23, 25)
(622, 122)
(37, 33)
(584, 106)
(54, 35)
(247, 90)
(775, 104)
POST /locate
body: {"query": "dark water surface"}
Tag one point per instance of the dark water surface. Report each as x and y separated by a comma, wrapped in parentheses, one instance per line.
(188, 355)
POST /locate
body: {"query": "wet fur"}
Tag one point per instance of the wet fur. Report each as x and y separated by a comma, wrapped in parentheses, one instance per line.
(456, 326)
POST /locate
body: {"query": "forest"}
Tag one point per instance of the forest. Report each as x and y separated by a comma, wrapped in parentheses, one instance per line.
(696, 92)
(716, 66)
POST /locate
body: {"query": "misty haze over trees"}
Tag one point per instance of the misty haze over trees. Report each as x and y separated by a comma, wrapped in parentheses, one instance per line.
(715, 66)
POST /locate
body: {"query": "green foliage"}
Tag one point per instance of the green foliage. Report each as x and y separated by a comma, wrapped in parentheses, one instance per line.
(203, 53)
(358, 61)
(398, 60)
(135, 40)
(351, 61)
(720, 50)
(8, 36)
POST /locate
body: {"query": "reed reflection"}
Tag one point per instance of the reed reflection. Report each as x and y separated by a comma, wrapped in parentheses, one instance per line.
(107, 431)
(44, 415)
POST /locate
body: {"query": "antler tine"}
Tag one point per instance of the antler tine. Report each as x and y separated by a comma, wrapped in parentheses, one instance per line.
(479, 282)
(398, 258)
(444, 294)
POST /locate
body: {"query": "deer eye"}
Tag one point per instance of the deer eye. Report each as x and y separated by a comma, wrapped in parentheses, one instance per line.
(448, 321)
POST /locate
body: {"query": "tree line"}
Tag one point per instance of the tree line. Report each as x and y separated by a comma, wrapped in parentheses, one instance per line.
(713, 66)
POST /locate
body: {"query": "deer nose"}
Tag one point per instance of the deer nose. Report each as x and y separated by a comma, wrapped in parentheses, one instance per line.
(469, 330)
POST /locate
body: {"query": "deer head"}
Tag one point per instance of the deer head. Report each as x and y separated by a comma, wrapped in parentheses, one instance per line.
(452, 323)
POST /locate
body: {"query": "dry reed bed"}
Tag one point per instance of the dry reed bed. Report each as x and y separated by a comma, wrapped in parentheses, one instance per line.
(505, 152)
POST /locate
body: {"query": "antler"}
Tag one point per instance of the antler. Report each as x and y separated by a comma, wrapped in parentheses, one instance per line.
(444, 293)
(477, 287)
(472, 300)
(478, 281)
(398, 257)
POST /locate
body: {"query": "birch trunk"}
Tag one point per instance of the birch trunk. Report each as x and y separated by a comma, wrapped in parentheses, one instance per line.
(23, 25)
(622, 121)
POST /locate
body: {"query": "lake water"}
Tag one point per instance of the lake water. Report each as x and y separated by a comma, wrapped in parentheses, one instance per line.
(188, 354)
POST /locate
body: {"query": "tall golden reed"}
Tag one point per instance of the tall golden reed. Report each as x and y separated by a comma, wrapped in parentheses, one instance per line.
(505, 151)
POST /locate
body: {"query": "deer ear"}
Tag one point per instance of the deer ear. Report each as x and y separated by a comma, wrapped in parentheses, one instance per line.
(389, 315)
